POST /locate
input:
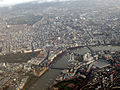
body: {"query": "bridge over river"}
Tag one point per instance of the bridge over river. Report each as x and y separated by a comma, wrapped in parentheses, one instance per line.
(47, 79)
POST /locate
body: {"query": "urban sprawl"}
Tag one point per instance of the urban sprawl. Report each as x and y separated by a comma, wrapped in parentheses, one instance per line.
(52, 28)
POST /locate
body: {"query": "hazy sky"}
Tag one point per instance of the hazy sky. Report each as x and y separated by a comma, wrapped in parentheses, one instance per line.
(13, 2)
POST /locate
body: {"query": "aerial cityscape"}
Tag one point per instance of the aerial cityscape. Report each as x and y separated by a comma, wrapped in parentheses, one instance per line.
(60, 45)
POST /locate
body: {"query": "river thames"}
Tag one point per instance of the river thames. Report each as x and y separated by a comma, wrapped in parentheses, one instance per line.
(48, 78)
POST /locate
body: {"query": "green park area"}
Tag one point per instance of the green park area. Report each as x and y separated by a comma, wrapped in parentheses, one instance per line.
(65, 85)
(26, 19)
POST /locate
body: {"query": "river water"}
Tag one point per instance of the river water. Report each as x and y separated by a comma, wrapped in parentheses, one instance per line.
(47, 79)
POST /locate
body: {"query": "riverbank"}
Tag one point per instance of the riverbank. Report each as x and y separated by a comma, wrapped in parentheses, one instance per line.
(33, 79)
